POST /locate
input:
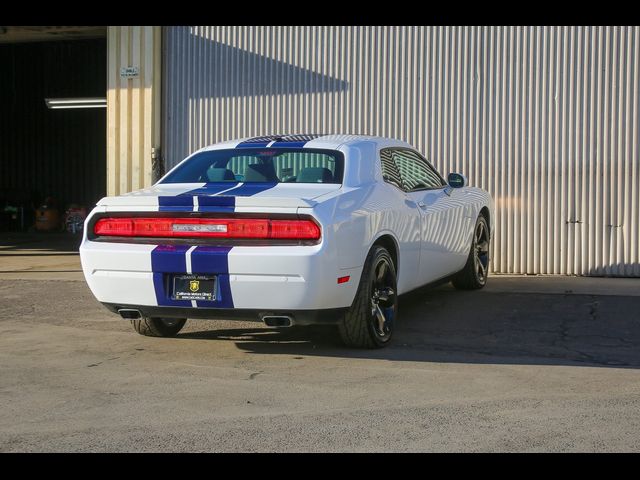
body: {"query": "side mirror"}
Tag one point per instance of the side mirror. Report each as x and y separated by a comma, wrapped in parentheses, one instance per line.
(457, 180)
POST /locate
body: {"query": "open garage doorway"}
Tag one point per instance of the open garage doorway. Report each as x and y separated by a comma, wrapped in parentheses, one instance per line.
(52, 157)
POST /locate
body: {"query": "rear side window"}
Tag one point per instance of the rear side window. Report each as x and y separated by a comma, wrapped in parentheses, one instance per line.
(408, 170)
(415, 172)
(390, 171)
(259, 165)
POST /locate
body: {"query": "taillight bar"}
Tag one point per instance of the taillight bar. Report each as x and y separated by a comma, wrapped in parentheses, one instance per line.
(257, 228)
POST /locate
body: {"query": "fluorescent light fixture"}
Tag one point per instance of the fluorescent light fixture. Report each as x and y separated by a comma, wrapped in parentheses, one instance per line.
(59, 103)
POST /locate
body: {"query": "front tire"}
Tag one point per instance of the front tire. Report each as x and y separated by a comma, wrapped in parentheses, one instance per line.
(370, 321)
(474, 274)
(158, 327)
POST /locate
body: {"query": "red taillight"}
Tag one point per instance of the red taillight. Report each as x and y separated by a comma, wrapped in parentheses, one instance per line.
(294, 229)
(257, 228)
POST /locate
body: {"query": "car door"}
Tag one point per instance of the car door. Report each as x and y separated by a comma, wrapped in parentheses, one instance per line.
(404, 218)
(442, 215)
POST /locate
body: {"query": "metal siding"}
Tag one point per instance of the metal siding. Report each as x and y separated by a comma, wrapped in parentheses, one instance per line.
(544, 118)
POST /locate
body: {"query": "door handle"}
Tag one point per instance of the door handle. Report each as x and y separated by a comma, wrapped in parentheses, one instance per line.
(422, 205)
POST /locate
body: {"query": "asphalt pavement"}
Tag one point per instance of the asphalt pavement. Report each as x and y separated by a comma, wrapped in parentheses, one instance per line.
(526, 364)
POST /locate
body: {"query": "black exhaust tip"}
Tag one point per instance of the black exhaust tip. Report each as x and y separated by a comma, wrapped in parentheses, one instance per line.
(277, 320)
(129, 313)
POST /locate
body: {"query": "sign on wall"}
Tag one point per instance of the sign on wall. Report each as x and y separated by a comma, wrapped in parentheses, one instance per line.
(129, 72)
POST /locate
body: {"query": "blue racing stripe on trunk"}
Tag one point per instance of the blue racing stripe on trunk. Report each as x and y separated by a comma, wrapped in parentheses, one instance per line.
(175, 204)
(214, 261)
(165, 260)
(219, 203)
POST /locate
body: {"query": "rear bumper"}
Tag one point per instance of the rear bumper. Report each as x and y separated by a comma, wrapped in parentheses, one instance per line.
(299, 317)
(256, 278)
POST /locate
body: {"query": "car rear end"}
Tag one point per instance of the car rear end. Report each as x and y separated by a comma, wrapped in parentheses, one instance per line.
(227, 249)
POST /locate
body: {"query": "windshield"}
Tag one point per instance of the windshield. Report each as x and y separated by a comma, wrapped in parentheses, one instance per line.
(259, 165)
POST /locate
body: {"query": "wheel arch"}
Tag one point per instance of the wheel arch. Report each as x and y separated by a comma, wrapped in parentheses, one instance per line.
(484, 211)
(388, 241)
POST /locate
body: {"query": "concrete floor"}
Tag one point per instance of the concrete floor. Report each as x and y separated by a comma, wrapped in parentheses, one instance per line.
(40, 256)
(526, 364)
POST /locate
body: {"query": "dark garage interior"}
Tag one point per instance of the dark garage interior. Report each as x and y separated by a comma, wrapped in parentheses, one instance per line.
(48, 156)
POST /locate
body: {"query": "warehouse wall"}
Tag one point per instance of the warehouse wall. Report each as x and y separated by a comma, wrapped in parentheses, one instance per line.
(545, 118)
(133, 106)
(53, 152)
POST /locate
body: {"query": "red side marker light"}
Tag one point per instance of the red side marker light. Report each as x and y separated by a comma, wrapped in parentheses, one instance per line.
(344, 279)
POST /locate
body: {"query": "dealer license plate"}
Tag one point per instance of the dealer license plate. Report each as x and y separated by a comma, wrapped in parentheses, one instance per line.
(194, 287)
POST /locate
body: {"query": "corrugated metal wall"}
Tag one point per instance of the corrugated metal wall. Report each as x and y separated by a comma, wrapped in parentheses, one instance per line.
(544, 118)
(53, 152)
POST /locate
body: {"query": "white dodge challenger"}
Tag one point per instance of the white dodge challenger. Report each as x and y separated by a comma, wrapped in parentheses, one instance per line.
(287, 230)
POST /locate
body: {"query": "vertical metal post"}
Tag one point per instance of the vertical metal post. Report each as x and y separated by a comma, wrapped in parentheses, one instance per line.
(157, 165)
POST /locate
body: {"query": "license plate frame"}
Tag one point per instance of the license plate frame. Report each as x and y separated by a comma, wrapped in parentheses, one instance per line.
(194, 287)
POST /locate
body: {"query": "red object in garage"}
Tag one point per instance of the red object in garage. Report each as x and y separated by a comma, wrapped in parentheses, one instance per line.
(74, 218)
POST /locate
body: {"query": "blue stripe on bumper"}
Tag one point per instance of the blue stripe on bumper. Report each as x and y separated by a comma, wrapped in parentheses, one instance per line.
(167, 259)
(214, 261)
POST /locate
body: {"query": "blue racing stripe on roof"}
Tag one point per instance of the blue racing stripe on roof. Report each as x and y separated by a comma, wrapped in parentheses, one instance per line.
(256, 142)
(165, 260)
(282, 141)
(253, 145)
(288, 145)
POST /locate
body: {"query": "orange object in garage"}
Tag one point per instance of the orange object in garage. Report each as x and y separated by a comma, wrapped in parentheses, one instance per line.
(47, 216)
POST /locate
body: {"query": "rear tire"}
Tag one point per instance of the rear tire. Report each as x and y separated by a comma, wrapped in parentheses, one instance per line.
(158, 327)
(475, 272)
(370, 321)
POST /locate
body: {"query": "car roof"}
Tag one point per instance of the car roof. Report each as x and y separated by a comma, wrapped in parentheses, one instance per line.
(332, 141)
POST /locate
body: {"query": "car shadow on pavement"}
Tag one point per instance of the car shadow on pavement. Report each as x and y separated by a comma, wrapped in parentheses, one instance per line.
(444, 325)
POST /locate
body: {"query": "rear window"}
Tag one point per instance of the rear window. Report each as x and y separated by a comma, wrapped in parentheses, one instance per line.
(259, 165)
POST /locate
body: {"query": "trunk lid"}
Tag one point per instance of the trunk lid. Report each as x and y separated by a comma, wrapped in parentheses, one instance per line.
(184, 196)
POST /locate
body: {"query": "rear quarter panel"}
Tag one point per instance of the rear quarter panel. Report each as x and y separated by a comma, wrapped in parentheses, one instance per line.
(366, 209)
